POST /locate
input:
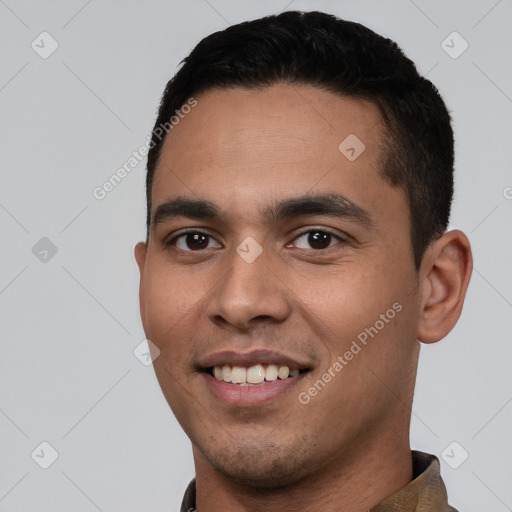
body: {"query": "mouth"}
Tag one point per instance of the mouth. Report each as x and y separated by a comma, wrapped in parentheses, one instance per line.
(254, 375)
(248, 379)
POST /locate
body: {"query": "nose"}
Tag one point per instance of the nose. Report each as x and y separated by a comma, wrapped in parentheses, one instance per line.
(249, 294)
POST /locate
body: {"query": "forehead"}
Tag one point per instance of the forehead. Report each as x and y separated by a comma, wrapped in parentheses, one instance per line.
(242, 146)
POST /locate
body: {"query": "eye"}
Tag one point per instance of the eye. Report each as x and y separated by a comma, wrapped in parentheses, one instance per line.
(316, 239)
(194, 241)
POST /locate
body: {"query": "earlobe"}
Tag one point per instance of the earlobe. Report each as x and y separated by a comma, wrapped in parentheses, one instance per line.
(140, 255)
(446, 271)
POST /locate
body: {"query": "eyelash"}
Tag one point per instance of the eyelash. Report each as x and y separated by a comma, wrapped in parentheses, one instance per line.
(340, 239)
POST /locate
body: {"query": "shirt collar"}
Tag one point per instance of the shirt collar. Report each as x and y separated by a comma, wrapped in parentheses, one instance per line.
(425, 493)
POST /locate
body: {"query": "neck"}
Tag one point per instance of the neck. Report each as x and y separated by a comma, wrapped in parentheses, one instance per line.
(358, 481)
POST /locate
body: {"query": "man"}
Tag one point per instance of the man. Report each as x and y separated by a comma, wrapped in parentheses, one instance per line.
(299, 188)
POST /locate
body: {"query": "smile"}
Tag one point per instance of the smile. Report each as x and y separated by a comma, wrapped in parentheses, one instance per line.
(248, 379)
(253, 375)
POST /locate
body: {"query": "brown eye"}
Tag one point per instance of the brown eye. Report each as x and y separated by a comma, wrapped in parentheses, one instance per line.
(319, 239)
(194, 241)
(316, 239)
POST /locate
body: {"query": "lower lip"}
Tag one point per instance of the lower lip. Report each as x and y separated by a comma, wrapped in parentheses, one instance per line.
(244, 396)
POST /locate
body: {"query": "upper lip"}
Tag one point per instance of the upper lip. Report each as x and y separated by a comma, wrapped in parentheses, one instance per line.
(235, 358)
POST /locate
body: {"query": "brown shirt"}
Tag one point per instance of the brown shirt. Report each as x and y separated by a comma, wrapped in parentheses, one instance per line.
(426, 492)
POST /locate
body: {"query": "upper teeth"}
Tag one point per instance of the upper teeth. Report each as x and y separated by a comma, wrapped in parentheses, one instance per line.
(252, 375)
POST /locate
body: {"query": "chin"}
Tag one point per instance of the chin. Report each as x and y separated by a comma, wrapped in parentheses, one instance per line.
(260, 465)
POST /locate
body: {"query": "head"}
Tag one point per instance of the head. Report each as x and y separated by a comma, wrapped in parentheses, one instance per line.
(297, 215)
(351, 61)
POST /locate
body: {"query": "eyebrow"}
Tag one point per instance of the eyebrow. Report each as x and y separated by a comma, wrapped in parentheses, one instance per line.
(332, 205)
(185, 207)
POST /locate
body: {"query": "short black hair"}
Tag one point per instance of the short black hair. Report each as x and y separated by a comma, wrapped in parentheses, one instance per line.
(348, 59)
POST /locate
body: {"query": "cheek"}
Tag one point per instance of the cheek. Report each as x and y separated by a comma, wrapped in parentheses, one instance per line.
(369, 306)
(345, 299)
(376, 343)
(167, 305)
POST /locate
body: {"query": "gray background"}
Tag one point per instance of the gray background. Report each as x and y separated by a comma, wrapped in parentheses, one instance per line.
(70, 323)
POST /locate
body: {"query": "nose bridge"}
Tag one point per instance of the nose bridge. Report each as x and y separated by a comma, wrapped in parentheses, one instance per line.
(250, 289)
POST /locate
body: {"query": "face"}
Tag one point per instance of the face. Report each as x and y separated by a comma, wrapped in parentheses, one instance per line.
(271, 251)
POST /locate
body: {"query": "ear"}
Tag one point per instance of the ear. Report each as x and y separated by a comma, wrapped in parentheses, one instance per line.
(141, 250)
(445, 272)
